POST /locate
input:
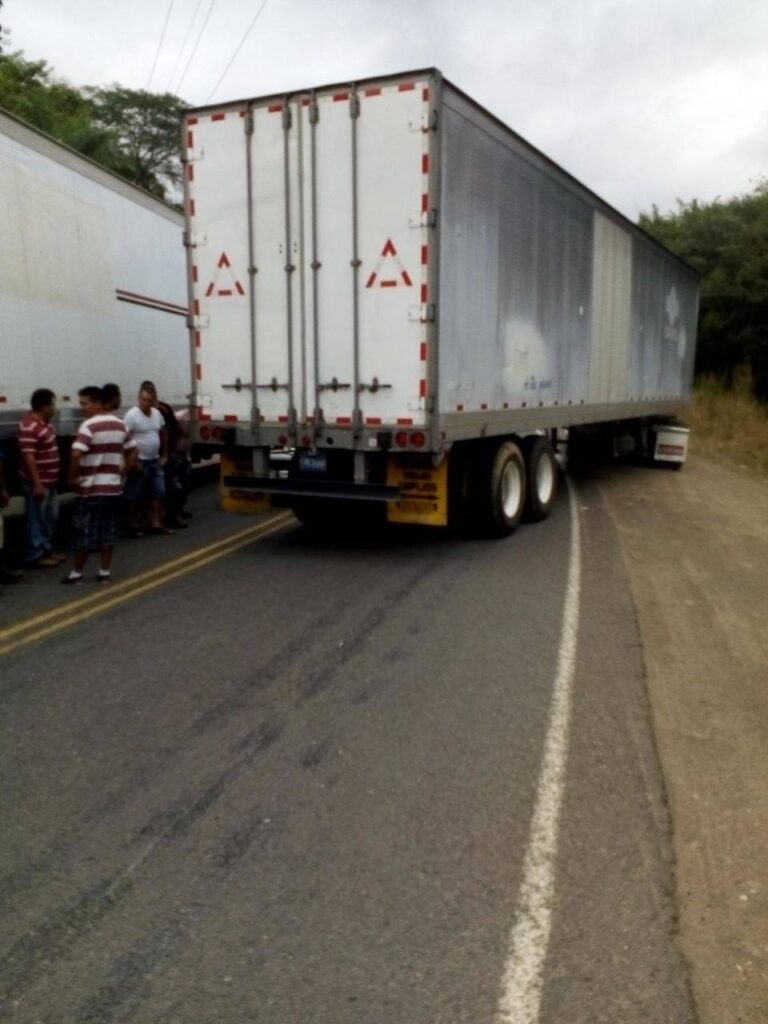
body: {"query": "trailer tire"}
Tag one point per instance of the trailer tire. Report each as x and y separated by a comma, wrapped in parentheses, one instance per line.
(542, 478)
(499, 490)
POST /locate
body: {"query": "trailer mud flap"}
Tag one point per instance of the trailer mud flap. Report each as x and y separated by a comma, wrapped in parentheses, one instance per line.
(237, 499)
(424, 491)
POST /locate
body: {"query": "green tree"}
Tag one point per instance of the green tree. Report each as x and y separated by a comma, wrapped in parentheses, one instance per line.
(28, 90)
(132, 132)
(147, 126)
(727, 242)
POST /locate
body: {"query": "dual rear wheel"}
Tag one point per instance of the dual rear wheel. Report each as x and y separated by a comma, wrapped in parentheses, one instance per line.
(511, 481)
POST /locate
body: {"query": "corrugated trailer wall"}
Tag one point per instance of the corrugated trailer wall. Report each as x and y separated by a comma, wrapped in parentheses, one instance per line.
(92, 280)
(548, 299)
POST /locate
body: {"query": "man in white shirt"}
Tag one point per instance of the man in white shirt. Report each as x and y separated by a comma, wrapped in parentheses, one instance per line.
(147, 483)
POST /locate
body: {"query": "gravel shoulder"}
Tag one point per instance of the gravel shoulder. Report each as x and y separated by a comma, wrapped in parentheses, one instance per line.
(696, 550)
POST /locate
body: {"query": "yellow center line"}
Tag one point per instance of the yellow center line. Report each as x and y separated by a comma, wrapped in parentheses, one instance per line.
(69, 615)
(69, 606)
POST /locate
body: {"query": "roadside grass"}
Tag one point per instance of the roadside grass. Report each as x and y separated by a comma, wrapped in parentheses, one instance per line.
(729, 424)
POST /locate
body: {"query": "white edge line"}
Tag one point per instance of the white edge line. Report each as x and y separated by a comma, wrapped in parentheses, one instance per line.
(529, 939)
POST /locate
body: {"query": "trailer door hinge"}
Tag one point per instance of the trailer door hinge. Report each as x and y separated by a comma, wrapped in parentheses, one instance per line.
(194, 154)
(198, 323)
(425, 122)
(427, 219)
(193, 241)
(425, 313)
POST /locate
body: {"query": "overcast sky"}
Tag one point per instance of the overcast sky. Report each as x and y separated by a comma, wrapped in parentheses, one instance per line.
(645, 101)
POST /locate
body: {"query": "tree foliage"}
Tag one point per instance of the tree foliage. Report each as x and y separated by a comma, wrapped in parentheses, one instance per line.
(727, 242)
(147, 126)
(131, 132)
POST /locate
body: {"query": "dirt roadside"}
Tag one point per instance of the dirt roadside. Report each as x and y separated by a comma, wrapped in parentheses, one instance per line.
(696, 549)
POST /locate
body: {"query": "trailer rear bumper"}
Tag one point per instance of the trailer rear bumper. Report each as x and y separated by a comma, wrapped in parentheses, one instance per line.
(304, 488)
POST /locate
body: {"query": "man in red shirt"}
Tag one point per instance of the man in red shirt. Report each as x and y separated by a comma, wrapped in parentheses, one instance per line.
(39, 472)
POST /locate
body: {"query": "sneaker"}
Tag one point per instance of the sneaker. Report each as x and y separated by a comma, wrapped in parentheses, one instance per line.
(46, 562)
(72, 581)
(103, 577)
(11, 575)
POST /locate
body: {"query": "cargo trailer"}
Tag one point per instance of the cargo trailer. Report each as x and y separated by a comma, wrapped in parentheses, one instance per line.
(92, 282)
(402, 294)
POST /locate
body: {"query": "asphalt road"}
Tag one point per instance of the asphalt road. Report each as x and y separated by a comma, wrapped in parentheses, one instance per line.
(296, 784)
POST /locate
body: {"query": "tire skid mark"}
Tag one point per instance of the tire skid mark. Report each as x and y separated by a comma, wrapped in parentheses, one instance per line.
(72, 920)
(316, 753)
(239, 842)
(59, 850)
(322, 676)
(130, 978)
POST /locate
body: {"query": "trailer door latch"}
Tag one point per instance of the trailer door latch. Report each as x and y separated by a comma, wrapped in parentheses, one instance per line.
(335, 385)
(239, 385)
(374, 386)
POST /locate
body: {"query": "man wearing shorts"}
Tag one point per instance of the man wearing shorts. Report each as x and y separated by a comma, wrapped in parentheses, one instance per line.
(101, 453)
(39, 473)
(146, 485)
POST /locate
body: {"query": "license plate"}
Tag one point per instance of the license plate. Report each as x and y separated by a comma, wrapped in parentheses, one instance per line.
(312, 463)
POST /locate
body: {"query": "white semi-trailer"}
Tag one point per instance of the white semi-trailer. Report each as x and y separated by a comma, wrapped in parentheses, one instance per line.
(388, 282)
(92, 281)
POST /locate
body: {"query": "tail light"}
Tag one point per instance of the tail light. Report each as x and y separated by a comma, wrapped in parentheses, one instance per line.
(414, 439)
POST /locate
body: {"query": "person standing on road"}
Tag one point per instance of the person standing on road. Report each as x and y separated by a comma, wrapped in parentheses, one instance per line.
(101, 454)
(39, 473)
(177, 466)
(6, 575)
(147, 482)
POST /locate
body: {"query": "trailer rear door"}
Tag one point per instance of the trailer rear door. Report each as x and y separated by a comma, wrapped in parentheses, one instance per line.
(310, 256)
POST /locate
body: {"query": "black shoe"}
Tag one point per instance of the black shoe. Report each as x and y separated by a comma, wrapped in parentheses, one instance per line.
(11, 575)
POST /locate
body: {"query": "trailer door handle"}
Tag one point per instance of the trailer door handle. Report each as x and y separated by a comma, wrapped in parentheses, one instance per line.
(335, 385)
(374, 386)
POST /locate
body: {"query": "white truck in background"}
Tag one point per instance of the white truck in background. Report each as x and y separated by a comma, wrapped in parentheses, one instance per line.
(92, 282)
(392, 285)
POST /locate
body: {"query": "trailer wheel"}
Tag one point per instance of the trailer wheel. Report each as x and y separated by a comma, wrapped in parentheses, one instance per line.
(500, 490)
(543, 473)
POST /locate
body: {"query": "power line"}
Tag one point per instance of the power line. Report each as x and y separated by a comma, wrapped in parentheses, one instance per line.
(194, 48)
(184, 45)
(238, 49)
(160, 43)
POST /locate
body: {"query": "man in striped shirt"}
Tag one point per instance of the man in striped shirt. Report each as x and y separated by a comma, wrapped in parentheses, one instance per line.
(39, 472)
(102, 453)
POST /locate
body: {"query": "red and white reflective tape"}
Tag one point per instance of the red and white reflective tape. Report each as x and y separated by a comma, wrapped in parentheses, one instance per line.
(424, 168)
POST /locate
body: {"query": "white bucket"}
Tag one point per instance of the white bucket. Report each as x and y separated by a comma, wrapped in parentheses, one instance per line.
(671, 443)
